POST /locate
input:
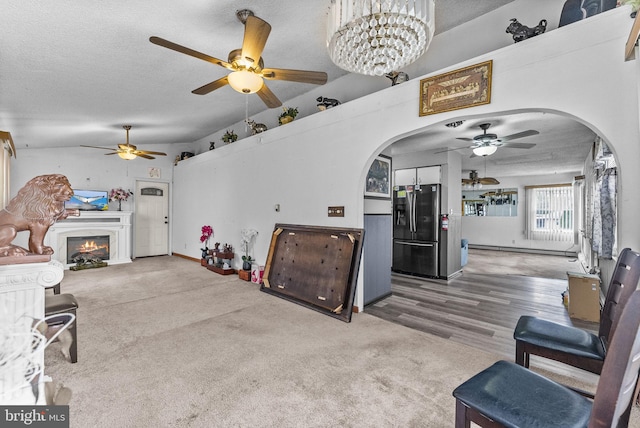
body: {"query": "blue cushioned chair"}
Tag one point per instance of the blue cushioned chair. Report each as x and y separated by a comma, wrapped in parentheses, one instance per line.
(509, 395)
(574, 346)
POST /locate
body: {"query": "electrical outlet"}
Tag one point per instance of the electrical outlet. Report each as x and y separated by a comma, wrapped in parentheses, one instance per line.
(336, 211)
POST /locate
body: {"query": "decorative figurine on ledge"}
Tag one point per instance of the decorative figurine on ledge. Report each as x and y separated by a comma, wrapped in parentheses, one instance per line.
(230, 137)
(397, 77)
(212, 145)
(521, 32)
(256, 128)
(325, 103)
(36, 207)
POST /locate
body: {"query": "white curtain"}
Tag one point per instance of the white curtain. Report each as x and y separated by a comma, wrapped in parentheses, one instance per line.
(550, 213)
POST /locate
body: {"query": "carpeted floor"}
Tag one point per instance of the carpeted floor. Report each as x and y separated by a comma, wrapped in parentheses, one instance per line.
(163, 342)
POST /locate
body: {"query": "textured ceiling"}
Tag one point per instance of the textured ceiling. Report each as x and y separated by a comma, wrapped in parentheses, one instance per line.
(73, 72)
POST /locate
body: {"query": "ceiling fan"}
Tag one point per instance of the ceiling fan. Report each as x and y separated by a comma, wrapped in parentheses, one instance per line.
(486, 144)
(128, 151)
(246, 64)
(474, 180)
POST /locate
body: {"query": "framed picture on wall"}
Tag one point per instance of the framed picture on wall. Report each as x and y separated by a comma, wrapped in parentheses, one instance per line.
(466, 87)
(378, 181)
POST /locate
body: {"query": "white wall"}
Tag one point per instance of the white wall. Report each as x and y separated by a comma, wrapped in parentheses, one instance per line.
(90, 169)
(509, 231)
(322, 159)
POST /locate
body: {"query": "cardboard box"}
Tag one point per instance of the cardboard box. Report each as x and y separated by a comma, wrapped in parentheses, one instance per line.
(584, 296)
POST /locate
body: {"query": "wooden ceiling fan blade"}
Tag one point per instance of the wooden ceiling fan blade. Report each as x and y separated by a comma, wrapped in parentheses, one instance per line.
(302, 76)
(103, 148)
(142, 155)
(519, 135)
(488, 180)
(467, 181)
(210, 87)
(464, 139)
(518, 145)
(148, 152)
(187, 51)
(268, 97)
(256, 33)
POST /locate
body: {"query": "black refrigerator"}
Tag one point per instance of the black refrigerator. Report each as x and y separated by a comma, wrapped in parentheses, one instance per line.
(416, 214)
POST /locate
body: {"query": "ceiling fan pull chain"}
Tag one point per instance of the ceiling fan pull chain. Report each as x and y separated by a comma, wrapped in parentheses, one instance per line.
(246, 113)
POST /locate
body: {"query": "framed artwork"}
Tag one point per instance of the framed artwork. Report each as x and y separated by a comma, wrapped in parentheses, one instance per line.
(466, 87)
(378, 181)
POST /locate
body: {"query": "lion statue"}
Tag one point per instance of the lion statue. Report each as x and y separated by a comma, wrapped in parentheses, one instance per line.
(36, 207)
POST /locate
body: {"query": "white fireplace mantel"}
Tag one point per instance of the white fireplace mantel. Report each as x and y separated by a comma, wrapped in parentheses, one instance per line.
(116, 224)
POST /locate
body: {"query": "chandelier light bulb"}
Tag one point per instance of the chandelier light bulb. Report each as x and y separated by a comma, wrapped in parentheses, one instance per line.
(358, 28)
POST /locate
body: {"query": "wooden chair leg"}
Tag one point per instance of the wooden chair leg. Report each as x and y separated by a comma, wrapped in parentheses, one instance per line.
(461, 415)
(522, 357)
(73, 349)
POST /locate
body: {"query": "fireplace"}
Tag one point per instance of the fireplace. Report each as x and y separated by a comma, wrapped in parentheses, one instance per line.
(90, 246)
(115, 224)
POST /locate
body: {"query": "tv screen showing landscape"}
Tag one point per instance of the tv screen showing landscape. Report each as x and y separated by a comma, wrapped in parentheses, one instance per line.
(88, 200)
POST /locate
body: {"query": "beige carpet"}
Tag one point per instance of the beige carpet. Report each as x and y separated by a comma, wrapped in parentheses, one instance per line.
(165, 343)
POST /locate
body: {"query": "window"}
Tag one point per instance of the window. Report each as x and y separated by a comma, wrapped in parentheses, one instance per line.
(550, 215)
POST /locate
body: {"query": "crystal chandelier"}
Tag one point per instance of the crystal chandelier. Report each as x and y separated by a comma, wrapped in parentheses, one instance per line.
(376, 37)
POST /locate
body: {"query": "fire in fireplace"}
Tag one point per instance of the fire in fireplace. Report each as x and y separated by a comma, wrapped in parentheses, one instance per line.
(96, 246)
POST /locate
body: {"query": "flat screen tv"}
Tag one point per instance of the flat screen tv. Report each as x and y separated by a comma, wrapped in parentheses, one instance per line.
(88, 200)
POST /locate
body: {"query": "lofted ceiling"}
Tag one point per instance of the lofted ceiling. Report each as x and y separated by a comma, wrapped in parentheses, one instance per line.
(73, 73)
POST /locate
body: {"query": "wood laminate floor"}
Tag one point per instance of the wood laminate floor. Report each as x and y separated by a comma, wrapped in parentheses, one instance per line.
(481, 309)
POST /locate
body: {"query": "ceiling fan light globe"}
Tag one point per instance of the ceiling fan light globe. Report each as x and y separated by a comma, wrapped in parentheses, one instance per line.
(245, 82)
(127, 155)
(484, 150)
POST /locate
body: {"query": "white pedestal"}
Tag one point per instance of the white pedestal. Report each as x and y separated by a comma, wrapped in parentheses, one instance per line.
(21, 304)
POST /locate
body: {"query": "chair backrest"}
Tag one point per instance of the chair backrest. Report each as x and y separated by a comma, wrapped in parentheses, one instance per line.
(622, 285)
(614, 394)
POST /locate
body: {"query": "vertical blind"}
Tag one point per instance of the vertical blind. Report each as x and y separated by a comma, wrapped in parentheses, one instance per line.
(550, 213)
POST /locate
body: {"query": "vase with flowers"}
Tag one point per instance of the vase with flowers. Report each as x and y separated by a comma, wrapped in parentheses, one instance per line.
(119, 195)
(207, 233)
(246, 236)
(287, 115)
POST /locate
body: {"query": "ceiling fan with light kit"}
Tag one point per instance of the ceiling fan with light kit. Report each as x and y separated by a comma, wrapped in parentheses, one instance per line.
(476, 182)
(246, 64)
(128, 151)
(487, 144)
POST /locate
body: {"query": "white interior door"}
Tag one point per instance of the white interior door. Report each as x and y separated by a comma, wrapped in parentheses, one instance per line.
(151, 222)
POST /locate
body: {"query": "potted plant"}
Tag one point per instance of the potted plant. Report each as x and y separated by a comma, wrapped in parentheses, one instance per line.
(287, 115)
(229, 137)
(207, 233)
(246, 236)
